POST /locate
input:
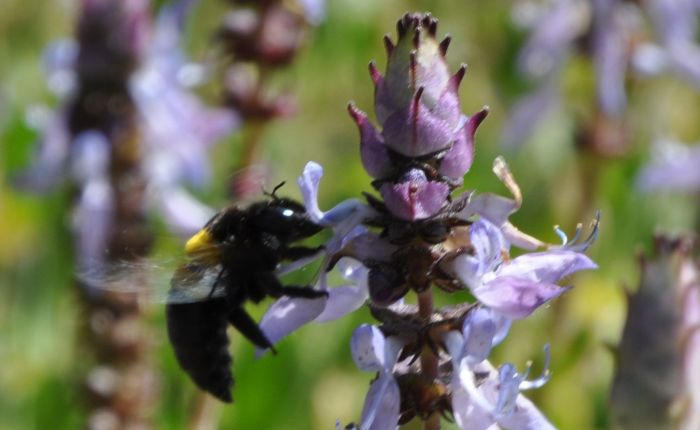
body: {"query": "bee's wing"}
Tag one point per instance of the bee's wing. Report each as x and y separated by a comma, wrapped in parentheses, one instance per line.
(149, 280)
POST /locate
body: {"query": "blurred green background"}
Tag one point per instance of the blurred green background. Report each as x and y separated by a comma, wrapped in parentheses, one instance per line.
(313, 381)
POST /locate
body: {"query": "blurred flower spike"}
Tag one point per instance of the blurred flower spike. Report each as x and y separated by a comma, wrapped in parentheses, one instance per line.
(658, 357)
(125, 106)
(431, 363)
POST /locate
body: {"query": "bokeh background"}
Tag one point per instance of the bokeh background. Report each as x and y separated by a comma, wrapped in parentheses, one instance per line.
(312, 381)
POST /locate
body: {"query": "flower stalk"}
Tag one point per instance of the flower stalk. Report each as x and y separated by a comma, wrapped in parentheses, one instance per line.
(258, 40)
(417, 236)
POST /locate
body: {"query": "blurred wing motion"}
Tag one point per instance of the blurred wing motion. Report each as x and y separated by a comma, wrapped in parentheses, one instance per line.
(151, 281)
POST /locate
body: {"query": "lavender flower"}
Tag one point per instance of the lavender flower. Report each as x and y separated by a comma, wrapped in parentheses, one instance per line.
(430, 363)
(673, 167)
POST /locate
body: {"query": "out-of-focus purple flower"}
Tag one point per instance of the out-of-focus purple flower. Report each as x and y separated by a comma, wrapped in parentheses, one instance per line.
(178, 129)
(175, 120)
(553, 31)
(674, 166)
(611, 37)
(93, 213)
(675, 24)
(604, 28)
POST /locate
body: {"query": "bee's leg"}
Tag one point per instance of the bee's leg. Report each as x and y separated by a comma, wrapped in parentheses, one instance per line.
(274, 288)
(298, 252)
(240, 319)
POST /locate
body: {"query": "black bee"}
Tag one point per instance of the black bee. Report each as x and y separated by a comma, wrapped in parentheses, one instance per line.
(243, 247)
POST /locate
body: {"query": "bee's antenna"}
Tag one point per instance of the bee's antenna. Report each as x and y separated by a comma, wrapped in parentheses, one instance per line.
(273, 194)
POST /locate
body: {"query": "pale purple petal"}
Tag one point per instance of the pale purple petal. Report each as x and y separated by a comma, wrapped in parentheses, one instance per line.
(684, 58)
(314, 10)
(673, 167)
(342, 301)
(478, 330)
(348, 298)
(288, 314)
(525, 416)
(59, 64)
(609, 45)
(90, 155)
(508, 389)
(503, 324)
(454, 343)
(47, 169)
(489, 244)
(308, 184)
(551, 41)
(368, 347)
(546, 267)
(381, 408)
(470, 407)
(516, 297)
(92, 222)
(527, 113)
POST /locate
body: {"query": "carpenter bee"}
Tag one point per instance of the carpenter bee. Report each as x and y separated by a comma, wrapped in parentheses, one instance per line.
(233, 259)
(243, 247)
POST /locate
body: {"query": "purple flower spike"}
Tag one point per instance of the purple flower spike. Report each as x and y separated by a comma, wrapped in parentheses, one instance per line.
(414, 197)
(373, 151)
(459, 158)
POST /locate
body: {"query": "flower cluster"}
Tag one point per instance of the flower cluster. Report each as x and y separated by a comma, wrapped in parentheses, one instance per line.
(419, 236)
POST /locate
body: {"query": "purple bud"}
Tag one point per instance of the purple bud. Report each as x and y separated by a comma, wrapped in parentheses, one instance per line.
(374, 154)
(417, 101)
(414, 197)
(459, 158)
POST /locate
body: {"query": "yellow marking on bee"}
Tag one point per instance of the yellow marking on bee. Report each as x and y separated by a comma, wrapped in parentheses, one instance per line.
(202, 248)
(201, 241)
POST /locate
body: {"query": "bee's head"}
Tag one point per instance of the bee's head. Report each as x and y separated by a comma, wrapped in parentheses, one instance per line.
(285, 218)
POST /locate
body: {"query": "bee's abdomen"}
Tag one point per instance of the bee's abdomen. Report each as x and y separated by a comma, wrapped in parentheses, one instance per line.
(197, 332)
